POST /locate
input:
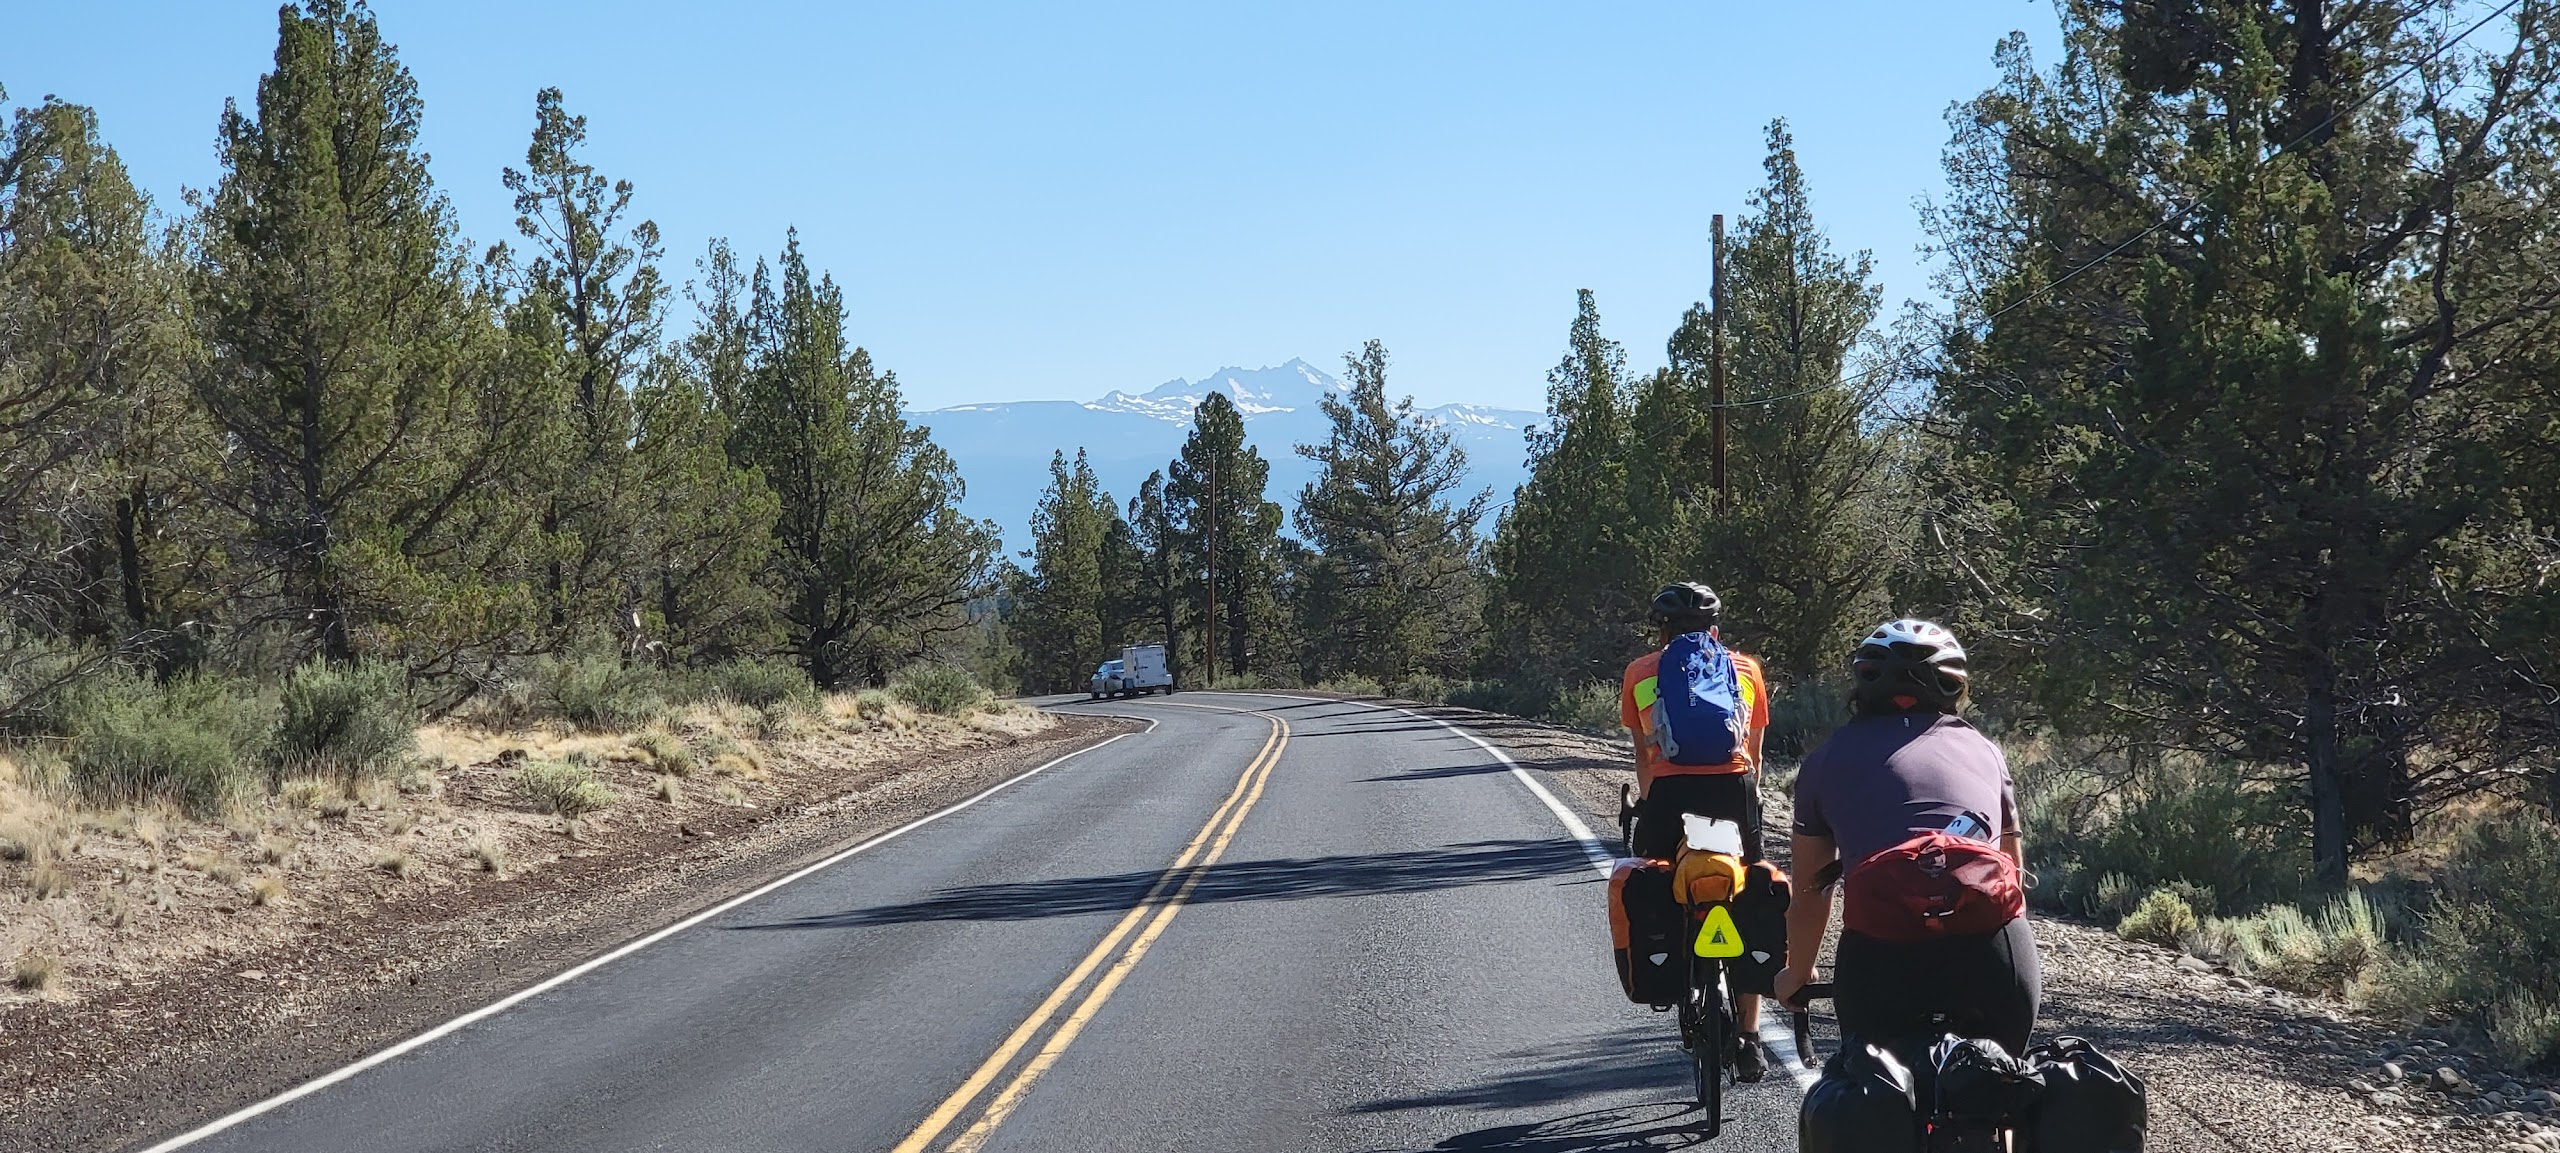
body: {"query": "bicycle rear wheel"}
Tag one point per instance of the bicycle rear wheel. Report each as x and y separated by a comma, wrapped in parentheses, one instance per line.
(1710, 1039)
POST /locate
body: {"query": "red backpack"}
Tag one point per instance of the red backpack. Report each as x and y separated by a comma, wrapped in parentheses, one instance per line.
(1933, 885)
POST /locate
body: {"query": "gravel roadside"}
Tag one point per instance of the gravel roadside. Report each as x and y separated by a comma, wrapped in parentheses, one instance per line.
(142, 1059)
(2231, 1064)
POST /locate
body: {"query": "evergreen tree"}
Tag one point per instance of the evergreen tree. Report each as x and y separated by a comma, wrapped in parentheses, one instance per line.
(1390, 534)
(874, 562)
(601, 288)
(1814, 531)
(1155, 540)
(95, 430)
(2256, 475)
(1568, 594)
(1063, 607)
(1215, 493)
(379, 429)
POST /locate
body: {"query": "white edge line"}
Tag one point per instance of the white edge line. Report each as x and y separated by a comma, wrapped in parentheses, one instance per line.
(1780, 1040)
(519, 997)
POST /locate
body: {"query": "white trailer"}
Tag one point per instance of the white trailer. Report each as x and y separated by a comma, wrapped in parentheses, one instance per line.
(1140, 669)
(1143, 670)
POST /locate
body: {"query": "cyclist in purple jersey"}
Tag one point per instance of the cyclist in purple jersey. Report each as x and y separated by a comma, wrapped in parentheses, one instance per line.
(1906, 765)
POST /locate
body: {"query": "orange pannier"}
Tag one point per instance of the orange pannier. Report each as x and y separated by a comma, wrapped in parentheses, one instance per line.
(1648, 931)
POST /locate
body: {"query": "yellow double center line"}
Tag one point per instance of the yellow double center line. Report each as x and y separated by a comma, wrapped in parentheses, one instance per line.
(1165, 898)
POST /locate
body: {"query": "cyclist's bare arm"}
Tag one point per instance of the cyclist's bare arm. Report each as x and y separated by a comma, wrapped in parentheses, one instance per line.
(2014, 846)
(1809, 914)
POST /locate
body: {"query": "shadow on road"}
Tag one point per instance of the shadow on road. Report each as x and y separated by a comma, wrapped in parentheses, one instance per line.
(1439, 773)
(1562, 1073)
(1667, 1125)
(1274, 879)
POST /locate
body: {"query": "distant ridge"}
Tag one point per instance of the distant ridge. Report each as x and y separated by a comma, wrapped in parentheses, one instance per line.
(1003, 449)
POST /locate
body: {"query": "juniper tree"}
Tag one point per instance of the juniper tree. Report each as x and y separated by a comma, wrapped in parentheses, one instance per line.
(594, 271)
(1567, 597)
(2270, 329)
(1239, 524)
(873, 561)
(380, 429)
(1391, 532)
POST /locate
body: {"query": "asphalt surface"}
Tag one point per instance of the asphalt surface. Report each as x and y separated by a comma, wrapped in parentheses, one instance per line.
(1380, 939)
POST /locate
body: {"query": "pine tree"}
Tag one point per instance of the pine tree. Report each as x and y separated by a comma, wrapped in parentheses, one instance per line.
(380, 430)
(1064, 606)
(1393, 590)
(1154, 538)
(874, 562)
(600, 285)
(96, 433)
(1568, 592)
(1215, 492)
(1814, 532)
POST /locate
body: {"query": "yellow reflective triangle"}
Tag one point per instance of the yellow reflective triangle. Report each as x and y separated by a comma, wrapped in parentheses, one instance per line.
(1718, 937)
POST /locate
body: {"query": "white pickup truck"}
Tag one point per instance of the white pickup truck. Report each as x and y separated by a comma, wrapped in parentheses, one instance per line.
(1140, 669)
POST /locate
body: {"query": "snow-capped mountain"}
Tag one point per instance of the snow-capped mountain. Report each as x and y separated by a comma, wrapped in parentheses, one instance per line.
(1003, 449)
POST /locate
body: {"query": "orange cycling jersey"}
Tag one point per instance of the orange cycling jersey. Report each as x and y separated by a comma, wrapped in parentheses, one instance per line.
(1636, 695)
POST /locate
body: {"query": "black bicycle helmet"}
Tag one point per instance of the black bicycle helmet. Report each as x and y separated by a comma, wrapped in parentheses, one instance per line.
(1687, 608)
(1908, 664)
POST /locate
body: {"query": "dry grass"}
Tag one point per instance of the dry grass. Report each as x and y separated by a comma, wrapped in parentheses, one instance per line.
(266, 890)
(222, 869)
(665, 751)
(20, 841)
(730, 794)
(568, 789)
(36, 971)
(47, 881)
(400, 823)
(490, 853)
(275, 850)
(397, 863)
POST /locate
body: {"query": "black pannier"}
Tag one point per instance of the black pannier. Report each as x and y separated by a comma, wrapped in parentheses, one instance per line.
(1760, 914)
(2090, 1104)
(1648, 930)
(1864, 1103)
(1979, 1081)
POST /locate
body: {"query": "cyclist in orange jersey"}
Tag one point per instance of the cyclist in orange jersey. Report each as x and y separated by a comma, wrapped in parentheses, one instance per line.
(1726, 792)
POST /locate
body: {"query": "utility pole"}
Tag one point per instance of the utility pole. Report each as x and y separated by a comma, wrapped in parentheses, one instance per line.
(1209, 627)
(1715, 365)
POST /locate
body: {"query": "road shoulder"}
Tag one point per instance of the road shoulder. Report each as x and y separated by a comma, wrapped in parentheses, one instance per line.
(227, 1029)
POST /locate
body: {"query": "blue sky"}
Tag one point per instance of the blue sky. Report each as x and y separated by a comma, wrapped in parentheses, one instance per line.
(1051, 201)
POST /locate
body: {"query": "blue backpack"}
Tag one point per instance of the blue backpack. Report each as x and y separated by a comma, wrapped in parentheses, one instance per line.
(1697, 707)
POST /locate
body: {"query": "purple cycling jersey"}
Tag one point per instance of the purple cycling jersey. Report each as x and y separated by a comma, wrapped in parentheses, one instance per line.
(1882, 780)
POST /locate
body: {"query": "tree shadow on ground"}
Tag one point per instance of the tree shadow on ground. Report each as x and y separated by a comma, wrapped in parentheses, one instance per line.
(1270, 879)
(1664, 1125)
(1441, 772)
(1563, 1074)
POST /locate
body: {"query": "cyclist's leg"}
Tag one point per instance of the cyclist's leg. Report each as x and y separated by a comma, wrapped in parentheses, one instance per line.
(1878, 990)
(2008, 986)
(1985, 986)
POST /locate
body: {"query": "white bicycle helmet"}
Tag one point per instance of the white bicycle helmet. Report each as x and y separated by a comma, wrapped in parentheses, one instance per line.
(1907, 664)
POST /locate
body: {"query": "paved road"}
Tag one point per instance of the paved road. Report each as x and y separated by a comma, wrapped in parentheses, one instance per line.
(1265, 924)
